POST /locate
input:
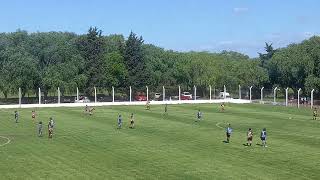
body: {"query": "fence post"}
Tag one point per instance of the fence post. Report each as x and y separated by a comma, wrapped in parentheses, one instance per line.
(112, 94)
(58, 95)
(39, 96)
(95, 95)
(239, 91)
(179, 93)
(274, 94)
(77, 94)
(20, 97)
(210, 93)
(147, 93)
(261, 101)
(250, 89)
(312, 98)
(287, 96)
(163, 93)
(299, 97)
(224, 92)
(130, 93)
(195, 93)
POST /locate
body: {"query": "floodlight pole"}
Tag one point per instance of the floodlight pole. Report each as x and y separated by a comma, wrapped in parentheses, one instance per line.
(239, 91)
(312, 98)
(179, 93)
(20, 97)
(299, 97)
(195, 93)
(95, 95)
(250, 89)
(274, 94)
(147, 93)
(210, 93)
(163, 93)
(224, 92)
(39, 96)
(261, 94)
(58, 95)
(287, 96)
(130, 93)
(112, 94)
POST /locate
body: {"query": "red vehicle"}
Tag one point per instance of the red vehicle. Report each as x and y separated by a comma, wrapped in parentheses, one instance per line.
(140, 97)
(186, 96)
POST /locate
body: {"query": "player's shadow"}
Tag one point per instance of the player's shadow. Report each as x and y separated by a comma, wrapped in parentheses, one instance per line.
(245, 144)
(224, 141)
(258, 144)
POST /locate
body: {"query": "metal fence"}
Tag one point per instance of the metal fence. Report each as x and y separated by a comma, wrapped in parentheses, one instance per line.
(275, 96)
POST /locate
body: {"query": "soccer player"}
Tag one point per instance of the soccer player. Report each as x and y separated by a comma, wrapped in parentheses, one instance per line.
(315, 113)
(263, 137)
(131, 121)
(222, 107)
(86, 108)
(199, 115)
(119, 121)
(148, 105)
(228, 132)
(33, 115)
(249, 137)
(166, 109)
(16, 116)
(50, 128)
(40, 129)
(91, 111)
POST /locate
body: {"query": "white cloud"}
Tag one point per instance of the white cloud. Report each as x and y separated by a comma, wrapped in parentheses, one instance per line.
(239, 10)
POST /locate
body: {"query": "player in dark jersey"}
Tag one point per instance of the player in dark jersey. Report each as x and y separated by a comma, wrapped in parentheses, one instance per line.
(199, 115)
(86, 108)
(16, 116)
(131, 121)
(40, 129)
(315, 113)
(166, 109)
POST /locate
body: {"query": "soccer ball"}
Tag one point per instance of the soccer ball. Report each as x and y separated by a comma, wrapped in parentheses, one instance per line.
(290, 117)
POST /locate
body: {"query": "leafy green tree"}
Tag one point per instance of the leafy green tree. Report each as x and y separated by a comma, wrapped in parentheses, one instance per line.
(91, 47)
(138, 74)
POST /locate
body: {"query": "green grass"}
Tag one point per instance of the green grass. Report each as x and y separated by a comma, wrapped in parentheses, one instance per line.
(172, 147)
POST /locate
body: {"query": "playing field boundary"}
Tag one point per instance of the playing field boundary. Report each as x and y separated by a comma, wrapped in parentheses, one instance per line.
(126, 103)
(8, 141)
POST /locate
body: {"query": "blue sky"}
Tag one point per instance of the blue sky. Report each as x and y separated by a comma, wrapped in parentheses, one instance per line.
(182, 25)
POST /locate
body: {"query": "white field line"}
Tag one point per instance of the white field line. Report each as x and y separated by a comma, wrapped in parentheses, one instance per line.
(8, 140)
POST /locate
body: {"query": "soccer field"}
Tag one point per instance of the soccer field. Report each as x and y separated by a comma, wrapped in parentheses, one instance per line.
(161, 147)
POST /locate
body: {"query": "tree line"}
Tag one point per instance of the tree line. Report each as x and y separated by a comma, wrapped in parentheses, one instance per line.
(67, 60)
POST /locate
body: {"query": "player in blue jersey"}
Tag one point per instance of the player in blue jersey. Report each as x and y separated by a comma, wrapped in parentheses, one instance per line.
(228, 132)
(119, 121)
(263, 137)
